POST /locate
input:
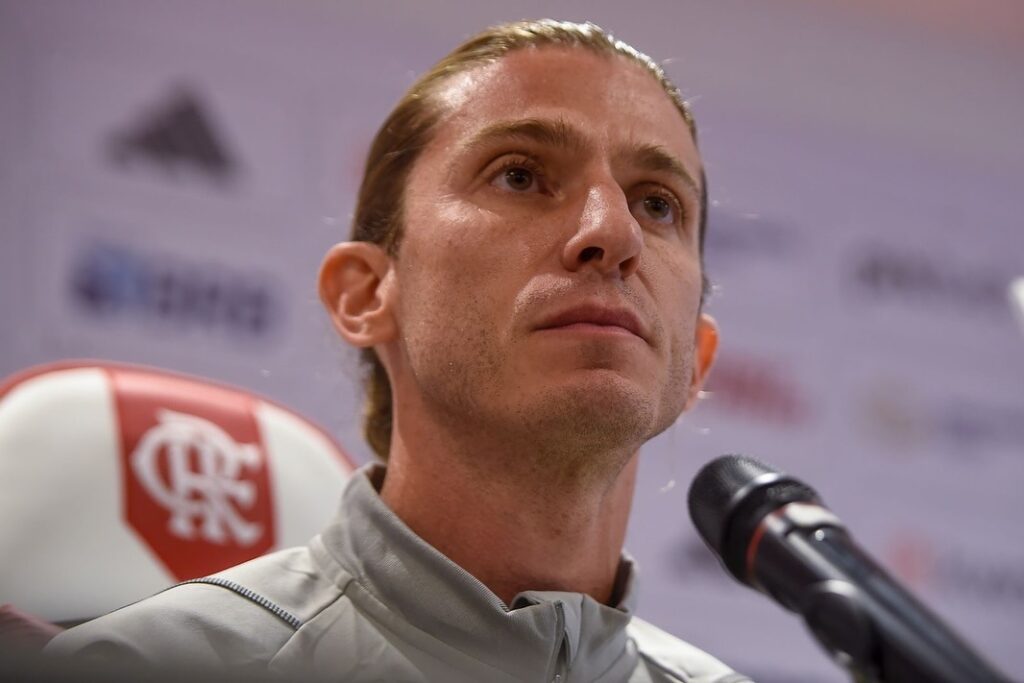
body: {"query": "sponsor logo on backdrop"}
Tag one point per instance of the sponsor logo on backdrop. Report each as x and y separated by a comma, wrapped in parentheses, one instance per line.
(900, 417)
(110, 282)
(930, 279)
(176, 136)
(756, 388)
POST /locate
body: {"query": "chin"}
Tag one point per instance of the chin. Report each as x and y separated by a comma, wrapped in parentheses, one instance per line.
(601, 412)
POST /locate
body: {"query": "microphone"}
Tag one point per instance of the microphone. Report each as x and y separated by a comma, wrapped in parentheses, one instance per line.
(772, 532)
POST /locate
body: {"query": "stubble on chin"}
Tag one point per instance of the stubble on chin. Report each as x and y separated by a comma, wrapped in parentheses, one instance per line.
(566, 435)
(586, 432)
(589, 431)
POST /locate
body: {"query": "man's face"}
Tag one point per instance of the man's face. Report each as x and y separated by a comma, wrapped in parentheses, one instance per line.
(548, 278)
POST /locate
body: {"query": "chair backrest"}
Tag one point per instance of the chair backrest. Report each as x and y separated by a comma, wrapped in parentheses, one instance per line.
(117, 481)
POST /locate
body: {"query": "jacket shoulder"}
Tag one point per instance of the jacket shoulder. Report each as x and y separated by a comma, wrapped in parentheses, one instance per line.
(241, 619)
(677, 659)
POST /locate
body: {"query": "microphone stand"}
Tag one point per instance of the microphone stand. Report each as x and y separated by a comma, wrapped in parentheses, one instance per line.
(865, 620)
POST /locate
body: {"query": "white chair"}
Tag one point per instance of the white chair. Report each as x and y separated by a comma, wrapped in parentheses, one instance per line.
(117, 481)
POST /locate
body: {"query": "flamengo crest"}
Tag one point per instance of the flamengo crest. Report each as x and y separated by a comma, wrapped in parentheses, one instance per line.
(195, 472)
(203, 502)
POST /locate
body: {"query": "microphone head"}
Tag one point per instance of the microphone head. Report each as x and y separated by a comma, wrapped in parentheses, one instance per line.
(728, 499)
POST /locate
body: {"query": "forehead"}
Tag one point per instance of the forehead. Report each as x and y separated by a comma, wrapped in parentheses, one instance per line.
(613, 101)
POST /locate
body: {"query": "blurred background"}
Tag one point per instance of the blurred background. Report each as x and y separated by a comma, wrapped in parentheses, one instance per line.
(172, 172)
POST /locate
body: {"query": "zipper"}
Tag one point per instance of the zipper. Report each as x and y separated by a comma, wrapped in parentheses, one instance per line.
(561, 664)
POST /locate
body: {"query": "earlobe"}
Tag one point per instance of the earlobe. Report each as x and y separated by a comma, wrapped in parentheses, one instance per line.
(705, 348)
(355, 284)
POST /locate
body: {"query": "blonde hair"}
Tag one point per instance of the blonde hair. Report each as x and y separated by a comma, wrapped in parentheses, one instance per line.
(408, 129)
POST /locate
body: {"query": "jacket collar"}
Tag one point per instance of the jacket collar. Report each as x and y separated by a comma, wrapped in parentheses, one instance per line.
(427, 590)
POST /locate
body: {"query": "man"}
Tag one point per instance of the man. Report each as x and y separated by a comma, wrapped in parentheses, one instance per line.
(525, 280)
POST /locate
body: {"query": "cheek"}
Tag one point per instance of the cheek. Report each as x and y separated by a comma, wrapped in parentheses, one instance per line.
(435, 254)
(471, 253)
(676, 282)
(677, 274)
(447, 288)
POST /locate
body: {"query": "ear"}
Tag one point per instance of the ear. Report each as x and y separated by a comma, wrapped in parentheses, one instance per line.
(357, 287)
(704, 349)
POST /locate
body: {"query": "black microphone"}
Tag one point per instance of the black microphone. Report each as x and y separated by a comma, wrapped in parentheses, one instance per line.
(772, 533)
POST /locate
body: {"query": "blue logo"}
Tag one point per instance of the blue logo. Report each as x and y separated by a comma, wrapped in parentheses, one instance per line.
(110, 281)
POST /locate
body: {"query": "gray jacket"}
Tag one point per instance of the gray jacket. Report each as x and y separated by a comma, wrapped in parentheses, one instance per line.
(368, 600)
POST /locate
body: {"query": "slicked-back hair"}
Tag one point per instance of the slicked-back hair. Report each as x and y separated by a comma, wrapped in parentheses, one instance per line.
(410, 127)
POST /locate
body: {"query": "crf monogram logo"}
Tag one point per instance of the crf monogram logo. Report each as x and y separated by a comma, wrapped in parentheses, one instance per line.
(201, 501)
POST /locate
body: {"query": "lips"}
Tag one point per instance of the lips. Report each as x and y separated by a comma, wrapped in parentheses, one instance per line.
(592, 314)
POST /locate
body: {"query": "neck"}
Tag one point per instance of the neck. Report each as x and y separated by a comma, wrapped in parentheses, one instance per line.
(514, 529)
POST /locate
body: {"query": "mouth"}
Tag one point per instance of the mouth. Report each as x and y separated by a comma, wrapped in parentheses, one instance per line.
(596, 320)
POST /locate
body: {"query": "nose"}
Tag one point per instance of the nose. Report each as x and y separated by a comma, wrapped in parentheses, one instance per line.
(608, 237)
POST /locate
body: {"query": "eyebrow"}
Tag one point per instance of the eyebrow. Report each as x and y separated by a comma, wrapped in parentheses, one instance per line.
(560, 134)
(657, 159)
(553, 133)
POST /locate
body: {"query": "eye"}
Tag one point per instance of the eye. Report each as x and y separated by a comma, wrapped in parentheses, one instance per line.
(517, 175)
(659, 208)
(519, 179)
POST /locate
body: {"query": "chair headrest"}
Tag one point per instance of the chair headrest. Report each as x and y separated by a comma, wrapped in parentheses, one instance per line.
(117, 481)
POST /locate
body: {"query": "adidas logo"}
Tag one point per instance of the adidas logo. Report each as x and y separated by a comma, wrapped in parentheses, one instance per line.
(176, 136)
